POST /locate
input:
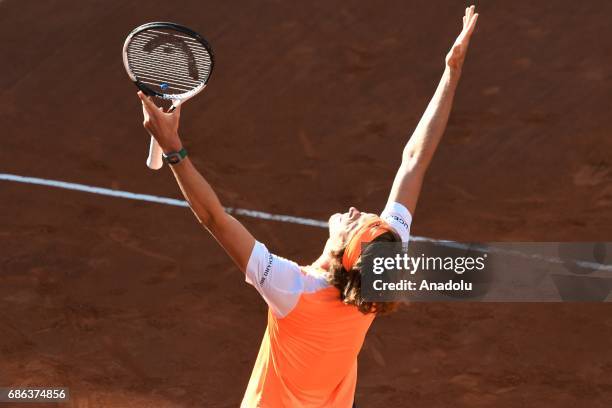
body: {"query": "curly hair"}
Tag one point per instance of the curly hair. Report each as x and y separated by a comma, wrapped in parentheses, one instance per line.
(349, 282)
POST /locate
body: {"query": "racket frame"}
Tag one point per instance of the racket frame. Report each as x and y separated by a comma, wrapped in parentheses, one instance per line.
(154, 160)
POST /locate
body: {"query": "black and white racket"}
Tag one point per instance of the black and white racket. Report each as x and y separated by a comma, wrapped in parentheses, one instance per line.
(168, 61)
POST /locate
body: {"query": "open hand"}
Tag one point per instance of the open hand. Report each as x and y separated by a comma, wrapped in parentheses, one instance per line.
(161, 125)
(456, 56)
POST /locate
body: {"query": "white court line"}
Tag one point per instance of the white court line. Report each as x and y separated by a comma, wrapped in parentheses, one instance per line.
(279, 217)
(156, 199)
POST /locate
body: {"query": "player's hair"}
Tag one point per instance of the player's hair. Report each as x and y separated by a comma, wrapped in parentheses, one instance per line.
(349, 282)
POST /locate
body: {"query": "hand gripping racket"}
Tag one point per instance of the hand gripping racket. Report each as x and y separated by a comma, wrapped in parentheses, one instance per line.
(168, 61)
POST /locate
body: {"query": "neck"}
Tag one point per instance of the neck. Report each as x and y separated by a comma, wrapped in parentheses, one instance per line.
(324, 260)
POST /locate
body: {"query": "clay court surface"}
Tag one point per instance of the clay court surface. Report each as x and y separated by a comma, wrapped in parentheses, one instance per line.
(132, 304)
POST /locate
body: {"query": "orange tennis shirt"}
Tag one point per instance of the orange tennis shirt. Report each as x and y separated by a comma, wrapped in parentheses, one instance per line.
(308, 355)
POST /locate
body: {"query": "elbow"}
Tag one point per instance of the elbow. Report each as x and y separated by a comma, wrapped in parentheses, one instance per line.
(413, 162)
(213, 223)
(204, 217)
(205, 221)
(410, 157)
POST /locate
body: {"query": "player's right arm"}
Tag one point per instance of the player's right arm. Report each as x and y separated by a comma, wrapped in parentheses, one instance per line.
(229, 232)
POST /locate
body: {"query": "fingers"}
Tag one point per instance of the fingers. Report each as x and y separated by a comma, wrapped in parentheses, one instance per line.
(146, 122)
(148, 111)
(144, 112)
(469, 14)
(472, 24)
(147, 102)
(469, 22)
(177, 110)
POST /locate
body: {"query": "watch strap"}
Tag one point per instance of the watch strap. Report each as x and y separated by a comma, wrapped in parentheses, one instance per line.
(173, 158)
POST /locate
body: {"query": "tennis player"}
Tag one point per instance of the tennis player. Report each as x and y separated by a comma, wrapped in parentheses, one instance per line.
(317, 318)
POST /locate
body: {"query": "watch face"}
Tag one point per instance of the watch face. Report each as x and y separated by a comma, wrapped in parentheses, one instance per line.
(174, 158)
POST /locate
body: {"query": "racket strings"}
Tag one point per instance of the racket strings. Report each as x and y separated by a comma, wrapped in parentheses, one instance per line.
(156, 37)
(159, 72)
(168, 62)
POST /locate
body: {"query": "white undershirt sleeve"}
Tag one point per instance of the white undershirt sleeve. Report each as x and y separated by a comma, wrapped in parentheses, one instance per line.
(279, 281)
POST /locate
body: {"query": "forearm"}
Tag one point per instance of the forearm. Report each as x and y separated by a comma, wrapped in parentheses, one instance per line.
(422, 144)
(199, 194)
(424, 141)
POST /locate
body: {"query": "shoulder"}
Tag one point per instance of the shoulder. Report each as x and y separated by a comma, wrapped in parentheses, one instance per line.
(279, 280)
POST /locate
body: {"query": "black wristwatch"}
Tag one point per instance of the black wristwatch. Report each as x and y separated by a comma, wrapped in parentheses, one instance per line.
(173, 158)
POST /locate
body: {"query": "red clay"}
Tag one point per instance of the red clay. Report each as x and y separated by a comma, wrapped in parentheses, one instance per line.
(134, 305)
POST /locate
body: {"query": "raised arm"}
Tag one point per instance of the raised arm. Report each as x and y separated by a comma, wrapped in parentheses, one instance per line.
(424, 141)
(229, 232)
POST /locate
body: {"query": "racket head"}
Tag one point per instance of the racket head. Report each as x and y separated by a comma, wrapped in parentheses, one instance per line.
(168, 60)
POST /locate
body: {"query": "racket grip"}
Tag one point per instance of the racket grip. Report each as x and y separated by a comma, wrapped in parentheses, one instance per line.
(154, 161)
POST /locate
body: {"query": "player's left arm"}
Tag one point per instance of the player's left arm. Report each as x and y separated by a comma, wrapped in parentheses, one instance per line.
(419, 150)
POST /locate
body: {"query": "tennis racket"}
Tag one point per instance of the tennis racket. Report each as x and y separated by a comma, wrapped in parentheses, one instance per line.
(168, 61)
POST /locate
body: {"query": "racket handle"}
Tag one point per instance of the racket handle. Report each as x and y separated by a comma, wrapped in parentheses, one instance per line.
(154, 161)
